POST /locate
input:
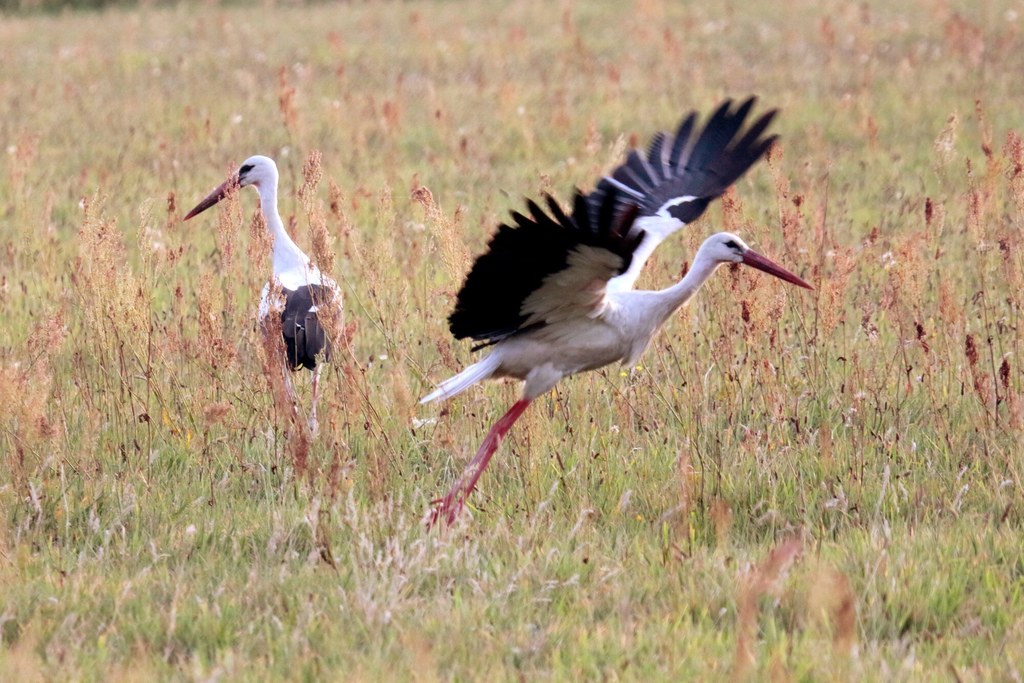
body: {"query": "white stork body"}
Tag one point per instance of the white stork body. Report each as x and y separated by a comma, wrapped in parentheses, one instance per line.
(616, 328)
(297, 288)
(554, 293)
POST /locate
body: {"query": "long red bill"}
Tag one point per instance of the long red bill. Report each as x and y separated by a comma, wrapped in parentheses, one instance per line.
(754, 260)
(214, 197)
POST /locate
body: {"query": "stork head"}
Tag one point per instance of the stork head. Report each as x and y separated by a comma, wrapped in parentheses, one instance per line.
(259, 171)
(725, 247)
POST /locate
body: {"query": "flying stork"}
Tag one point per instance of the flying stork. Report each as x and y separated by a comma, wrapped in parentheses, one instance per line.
(553, 293)
(297, 289)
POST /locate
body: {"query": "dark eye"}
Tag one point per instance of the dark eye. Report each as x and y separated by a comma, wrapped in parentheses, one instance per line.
(245, 169)
(732, 244)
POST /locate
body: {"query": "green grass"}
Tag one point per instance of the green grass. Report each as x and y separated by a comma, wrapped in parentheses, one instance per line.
(829, 489)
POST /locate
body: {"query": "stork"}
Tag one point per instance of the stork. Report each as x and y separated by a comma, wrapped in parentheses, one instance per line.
(298, 291)
(553, 292)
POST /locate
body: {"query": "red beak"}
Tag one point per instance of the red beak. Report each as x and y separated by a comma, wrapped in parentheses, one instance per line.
(754, 260)
(222, 191)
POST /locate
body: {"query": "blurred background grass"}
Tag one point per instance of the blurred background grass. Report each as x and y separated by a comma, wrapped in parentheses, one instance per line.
(794, 485)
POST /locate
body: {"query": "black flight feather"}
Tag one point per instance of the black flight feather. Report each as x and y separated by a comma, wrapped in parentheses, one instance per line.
(518, 260)
(700, 164)
(305, 339)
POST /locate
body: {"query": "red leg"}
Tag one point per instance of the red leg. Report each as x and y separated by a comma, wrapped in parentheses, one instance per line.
(451, 504)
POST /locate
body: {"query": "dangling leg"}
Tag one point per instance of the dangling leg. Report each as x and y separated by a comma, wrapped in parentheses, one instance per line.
(451, 504)
(314, 426)
(289, 389)
(276, 356)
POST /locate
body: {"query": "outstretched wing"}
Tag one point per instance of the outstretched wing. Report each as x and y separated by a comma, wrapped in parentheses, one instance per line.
(548, 266)
(683, 173)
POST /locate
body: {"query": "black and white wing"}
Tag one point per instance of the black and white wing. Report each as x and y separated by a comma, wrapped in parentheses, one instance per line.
(682, 174)
(302, 299)
(548, 266)
(305, 337)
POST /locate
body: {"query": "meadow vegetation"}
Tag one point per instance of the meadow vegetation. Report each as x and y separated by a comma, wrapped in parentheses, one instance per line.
(793, 485)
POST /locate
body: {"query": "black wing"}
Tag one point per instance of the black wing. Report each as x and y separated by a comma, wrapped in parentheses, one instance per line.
(546, 267)
(682, 173)
(305, 338)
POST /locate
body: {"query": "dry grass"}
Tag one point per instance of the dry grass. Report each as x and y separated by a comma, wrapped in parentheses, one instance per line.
(814, 486)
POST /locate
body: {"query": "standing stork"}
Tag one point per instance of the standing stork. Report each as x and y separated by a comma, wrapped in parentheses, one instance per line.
(553, 293)
(297, 288)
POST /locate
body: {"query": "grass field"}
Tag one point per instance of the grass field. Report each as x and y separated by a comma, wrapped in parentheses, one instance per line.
(794, 485)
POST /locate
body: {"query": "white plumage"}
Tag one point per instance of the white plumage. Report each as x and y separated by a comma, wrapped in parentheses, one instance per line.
(297, 288)
(553, 293)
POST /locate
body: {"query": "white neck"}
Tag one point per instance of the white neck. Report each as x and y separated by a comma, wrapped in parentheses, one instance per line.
(668, 300)
(285, 254)
(656, 229)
